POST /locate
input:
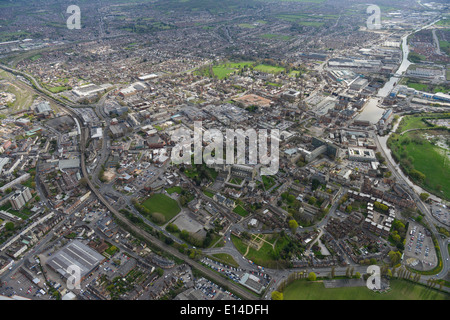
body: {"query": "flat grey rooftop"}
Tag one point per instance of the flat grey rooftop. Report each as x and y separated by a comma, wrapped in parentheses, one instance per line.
(75, 253)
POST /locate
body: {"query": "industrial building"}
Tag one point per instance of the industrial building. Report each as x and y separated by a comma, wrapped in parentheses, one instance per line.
(89, 89)
(75, 254)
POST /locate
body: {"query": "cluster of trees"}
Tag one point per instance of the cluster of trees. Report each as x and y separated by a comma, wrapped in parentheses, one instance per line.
(101, 174)
(203, 173)
(380, 206)
(398, 234)
(395, 257)
(292, 248)
(185, 198)
(192, 238)
(156, 217)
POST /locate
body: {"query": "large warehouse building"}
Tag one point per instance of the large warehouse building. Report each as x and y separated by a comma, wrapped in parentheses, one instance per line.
(75, 253)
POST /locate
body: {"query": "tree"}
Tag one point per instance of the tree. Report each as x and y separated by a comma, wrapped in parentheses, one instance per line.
(424, 196)
(159, 271)
(276, 295)
(358, 275)
(312, 276)
(416, 174)
(293, 225)
(9, 226)
(84, 182)
(395, 257)
(333, 272)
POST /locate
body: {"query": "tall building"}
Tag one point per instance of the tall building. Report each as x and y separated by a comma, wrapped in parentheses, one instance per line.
(20, 197)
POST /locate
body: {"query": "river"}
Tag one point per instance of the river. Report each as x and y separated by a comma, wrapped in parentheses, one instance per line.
(386, 90)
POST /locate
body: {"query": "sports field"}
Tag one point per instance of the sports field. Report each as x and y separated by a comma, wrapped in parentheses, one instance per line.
(162, 204)
(400, 290)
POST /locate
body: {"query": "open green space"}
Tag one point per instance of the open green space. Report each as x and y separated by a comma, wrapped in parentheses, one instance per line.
(223, 70)
(268, 182)
(35, 57)
(445, 46)
(416, 57)
(246, 25)
(269, 69)
(269, 253)
(240, 211)
(208, 194)
(426, 87)
(176, 189)
(305, 19)
(13, 36)
(24, 97)
(276, 36)
(421, 155)
(226, 259)
(443, 22)
(400, 290)
(163, 204)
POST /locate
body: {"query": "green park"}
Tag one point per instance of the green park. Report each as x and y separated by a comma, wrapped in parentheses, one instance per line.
(422, 150)
(400, 290)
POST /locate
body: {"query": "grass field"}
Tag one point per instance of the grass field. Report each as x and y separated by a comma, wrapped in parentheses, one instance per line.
(176, 189)
(226, 258)
(423, 155)
(418, 86)
(223, 70)
(310, 20)
(162, 204)
(432, 88)
(400, 290)
(209, 194)
(410, 122)
(24, 97)
(266, 255)
(276, 36)
(240, 211)
(269, 69)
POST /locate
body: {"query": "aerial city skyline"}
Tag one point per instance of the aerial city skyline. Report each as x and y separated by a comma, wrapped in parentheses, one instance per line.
(238, 152)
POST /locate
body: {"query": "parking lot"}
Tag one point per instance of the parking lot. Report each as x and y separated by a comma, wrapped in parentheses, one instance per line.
(236, 274)
(146, 177)
(441, 212)
(419, 248)
(206, 290)
(20, 285)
